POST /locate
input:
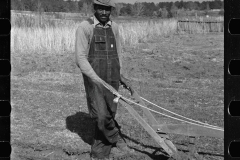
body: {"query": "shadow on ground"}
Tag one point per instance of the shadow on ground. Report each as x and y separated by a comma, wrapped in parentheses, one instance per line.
(153, 155)
(82, 124)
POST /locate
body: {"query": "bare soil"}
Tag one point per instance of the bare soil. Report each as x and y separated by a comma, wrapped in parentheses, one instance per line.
(182, 73)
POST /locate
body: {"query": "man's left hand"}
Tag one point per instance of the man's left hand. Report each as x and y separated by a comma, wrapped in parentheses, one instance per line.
(126, 84)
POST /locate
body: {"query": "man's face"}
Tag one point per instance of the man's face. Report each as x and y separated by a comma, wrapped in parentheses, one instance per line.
(102, 13)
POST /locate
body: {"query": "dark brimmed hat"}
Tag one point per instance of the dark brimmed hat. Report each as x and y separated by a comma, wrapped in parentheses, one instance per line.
(109, 3)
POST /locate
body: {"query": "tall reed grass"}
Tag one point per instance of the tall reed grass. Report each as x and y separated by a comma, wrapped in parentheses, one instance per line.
(137, 32)
(39, 21)
(47, 40)
(38, 34)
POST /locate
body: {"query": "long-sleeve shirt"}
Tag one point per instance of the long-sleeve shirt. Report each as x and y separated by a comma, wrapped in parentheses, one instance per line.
(84, 36)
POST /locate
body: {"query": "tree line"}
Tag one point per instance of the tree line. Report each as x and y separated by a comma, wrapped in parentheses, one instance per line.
(161, 9)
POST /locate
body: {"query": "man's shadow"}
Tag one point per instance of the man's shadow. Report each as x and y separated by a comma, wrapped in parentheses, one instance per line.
(82, 124)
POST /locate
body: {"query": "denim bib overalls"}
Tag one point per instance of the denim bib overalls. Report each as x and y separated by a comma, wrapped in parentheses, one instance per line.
(104, 60)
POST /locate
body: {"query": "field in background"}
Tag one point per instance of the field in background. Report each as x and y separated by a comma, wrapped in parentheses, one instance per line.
(38, 33)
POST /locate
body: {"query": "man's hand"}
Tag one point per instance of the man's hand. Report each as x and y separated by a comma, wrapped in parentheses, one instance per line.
(98, 83)
(126, 84)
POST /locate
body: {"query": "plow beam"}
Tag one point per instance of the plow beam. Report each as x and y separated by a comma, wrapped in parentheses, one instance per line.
(149, 129)
(153, 122)
(147, 113)
(188, 130)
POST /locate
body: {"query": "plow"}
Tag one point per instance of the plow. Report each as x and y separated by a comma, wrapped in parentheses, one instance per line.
(159, 132)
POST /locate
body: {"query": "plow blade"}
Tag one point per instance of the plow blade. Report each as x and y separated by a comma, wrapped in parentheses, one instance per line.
(188, 130)
(152, 121)
(148, 128)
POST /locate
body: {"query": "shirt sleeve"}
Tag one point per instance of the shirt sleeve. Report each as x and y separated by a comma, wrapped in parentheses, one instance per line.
(81, 52)
(118, 43)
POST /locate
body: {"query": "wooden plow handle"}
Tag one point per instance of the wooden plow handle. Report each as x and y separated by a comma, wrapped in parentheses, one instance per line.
(171, 151)
(182, 129)
(153, 122)
(148, 128)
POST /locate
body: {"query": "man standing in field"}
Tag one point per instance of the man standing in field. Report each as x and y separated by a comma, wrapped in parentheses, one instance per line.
(97, 50)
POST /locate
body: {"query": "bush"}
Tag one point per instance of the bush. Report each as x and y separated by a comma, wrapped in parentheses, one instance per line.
(164, 13)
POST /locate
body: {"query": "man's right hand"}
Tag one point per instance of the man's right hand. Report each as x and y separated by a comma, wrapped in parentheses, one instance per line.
(102, 84)
(98, 83)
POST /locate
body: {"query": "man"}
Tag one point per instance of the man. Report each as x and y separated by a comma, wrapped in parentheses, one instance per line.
(97, 51)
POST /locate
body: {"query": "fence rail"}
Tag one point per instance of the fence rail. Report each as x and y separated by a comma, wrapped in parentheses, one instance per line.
(192, 26)
(181, 21)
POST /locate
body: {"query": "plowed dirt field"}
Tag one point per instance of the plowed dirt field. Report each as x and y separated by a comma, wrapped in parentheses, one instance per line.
(182, 73)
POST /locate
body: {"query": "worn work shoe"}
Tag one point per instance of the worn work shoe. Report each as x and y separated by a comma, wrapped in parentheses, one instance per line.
(122, 146)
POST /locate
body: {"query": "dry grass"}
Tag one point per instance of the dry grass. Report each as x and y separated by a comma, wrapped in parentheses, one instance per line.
(48, 40)
(61, 39)
(136, 32)
(31, 34)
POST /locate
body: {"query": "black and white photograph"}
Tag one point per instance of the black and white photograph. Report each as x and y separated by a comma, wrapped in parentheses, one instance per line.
(117, 79)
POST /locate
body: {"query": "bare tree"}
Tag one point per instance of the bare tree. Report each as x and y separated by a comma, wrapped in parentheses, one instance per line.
(174, 10)
(39, 7)
(192, 5)
(137, 8)
(118, 8)
(155, 13)
(164, 13)
(207, 7)
(86, 9)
